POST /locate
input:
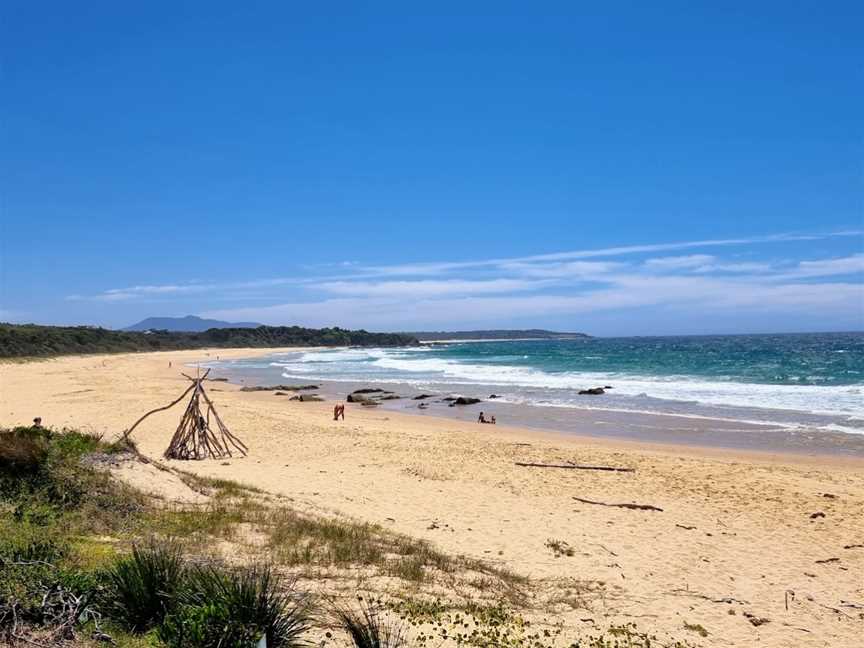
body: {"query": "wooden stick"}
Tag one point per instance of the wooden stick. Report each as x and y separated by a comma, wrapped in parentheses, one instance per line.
(572, 466)
(159, 409)
(637, 507)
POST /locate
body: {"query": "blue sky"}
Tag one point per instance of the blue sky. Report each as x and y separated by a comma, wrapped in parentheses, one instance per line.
(618, 168)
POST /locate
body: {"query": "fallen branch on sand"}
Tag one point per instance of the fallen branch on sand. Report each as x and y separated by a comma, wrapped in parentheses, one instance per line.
(573, 466)
(635, 507)
(725, 599)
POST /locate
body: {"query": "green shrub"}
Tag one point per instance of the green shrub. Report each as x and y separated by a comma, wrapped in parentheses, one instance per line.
(235, 608)
(142, 587)
(43, 479)
(23, 451)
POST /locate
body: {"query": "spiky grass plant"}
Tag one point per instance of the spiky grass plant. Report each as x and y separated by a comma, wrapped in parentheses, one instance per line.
(143, 586)
(367, 627)
(236, 608)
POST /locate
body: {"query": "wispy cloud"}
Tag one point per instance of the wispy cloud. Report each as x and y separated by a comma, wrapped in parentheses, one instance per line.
(180, 289)
(624, 250)
(428, 288)
(485, 292)
(678, 262)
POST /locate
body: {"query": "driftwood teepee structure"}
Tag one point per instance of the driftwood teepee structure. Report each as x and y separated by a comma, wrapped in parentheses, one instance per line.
(195, 438)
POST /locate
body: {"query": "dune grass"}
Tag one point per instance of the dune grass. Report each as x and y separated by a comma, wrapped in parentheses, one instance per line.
(83, 557)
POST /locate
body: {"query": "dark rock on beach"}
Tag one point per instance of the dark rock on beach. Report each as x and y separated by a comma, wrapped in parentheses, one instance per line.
(307, 398)
(464, 400)
(424, 396)
(594, 391)
(371, 396)
(279, 388)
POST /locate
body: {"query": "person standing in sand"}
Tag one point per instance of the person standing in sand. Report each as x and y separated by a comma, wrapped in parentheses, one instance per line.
(339, 410)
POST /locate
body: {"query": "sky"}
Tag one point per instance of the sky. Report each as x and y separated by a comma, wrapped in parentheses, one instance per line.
(619, 168)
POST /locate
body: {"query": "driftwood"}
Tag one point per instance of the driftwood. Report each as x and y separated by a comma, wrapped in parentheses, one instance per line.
(573, 466)
(636, 507)
(724, 599)
(195, 438)
(158, 409)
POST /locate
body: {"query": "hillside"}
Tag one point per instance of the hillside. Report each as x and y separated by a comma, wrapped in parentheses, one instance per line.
(190, 323)
(31, 340)
(498, 334)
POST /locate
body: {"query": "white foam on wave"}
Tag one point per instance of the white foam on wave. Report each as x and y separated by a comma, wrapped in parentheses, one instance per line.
(415, 367)
(817, 399)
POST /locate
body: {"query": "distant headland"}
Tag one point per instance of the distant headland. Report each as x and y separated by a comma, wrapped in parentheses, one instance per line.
(497, 334)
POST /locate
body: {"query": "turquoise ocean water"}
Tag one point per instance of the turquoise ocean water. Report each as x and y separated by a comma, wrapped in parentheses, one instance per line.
(806, 380)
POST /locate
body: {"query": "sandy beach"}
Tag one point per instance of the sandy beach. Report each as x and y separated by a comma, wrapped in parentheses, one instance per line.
(756, 548)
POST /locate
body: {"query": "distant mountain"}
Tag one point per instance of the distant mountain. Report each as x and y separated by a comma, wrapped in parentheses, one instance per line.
(190, 323)
(527, 334)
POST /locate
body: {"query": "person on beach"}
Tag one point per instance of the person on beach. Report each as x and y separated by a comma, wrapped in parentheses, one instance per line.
(481, 418)
(339, 410)
(37, 422)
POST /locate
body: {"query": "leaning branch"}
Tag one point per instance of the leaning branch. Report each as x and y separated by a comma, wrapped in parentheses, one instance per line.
(158, 409)
(572, 466)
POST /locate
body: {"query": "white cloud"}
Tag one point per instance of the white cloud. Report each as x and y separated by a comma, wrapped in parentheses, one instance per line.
(562, 270)
(741, 267)
(679, 262)
(427, 288)
(441, 267)
(530, 288)
(690, 293)
(828, 267)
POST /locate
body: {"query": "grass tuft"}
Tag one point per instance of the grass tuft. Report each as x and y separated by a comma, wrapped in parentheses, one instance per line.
(367, 626)
(143, 586)
(235, 608)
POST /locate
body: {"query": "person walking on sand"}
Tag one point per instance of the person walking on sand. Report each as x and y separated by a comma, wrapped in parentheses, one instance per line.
(339, 410)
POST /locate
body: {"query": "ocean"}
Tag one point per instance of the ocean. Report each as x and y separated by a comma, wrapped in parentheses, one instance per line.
(795, 381)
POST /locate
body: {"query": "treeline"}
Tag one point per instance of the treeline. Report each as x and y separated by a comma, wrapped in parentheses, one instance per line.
(31, 340)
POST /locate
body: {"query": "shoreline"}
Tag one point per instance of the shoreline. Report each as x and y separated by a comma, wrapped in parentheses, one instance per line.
(675, 430)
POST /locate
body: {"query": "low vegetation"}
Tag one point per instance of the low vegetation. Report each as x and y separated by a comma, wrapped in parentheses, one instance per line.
(86, 561)
(31, 340)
